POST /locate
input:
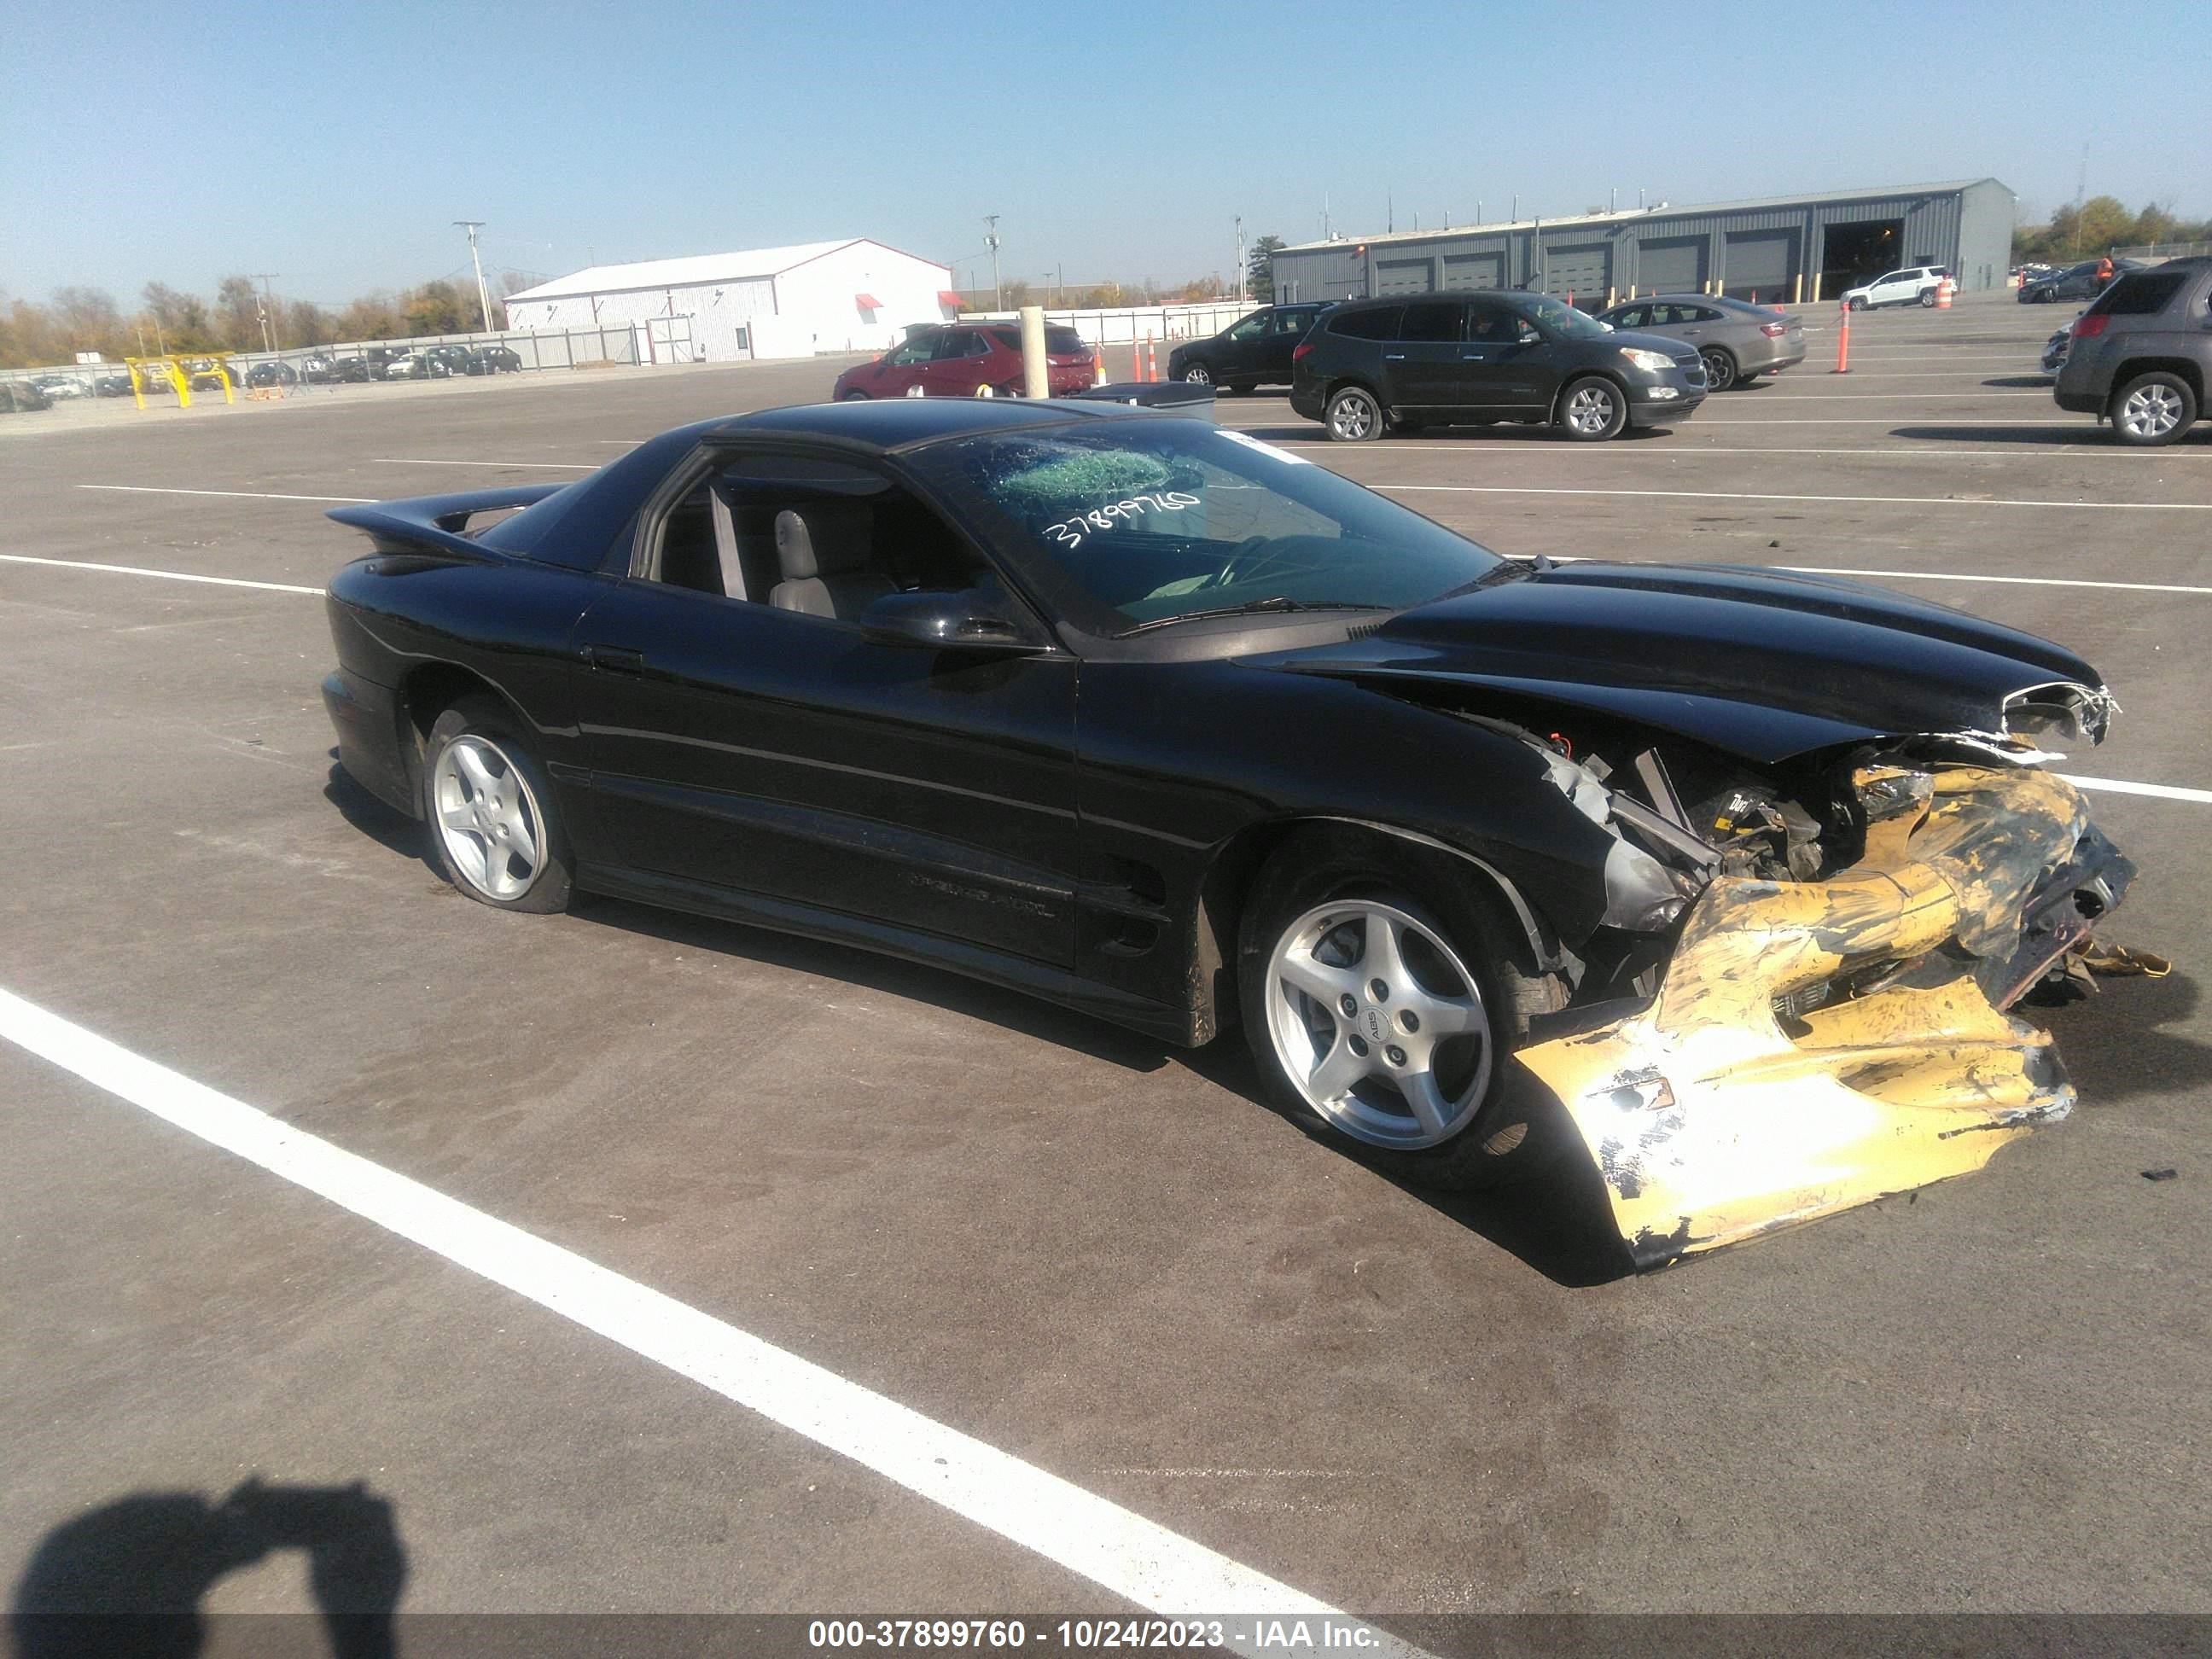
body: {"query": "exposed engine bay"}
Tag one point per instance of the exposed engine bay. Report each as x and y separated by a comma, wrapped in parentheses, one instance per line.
(1795, 1002)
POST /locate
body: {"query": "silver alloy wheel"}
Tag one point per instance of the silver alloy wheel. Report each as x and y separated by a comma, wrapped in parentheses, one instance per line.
(1352, 415)
(493, 833)
(1720, 371)
(2150, 411)
(1591, 408)
(1196, 375)
(1363, 1027)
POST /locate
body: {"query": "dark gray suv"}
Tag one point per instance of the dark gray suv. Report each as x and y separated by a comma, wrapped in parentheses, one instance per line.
(1372, 366)
(2141, 356)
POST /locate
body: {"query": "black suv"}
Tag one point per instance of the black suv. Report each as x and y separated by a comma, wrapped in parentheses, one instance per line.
(1253, 350)
(2141, 356)
(1487, 357)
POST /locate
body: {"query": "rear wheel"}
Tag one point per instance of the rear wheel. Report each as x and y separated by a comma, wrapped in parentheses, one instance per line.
(1927, 299)
(2152, 409)
(1720, 369)
(1592, 410)
(1380, 1001)
(1353, 416)
(490, 807)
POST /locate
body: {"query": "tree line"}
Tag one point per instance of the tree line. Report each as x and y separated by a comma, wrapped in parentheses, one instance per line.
(74, 320)
(2097, 226)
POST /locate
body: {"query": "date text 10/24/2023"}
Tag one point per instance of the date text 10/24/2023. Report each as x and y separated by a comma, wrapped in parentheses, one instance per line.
(1245, 1634)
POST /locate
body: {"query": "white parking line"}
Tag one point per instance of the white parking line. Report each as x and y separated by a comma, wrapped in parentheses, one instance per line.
(2009, 581)
(1679, 448)
(166, 575)
(1749, 496)
(2163, 791)
(545, 467)
(248, 495)
(1129, 1556)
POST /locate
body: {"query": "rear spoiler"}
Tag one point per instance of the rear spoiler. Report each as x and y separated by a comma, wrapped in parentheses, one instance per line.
(435, 523)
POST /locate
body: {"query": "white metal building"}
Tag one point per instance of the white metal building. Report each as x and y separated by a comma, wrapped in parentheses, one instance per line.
(856, 296)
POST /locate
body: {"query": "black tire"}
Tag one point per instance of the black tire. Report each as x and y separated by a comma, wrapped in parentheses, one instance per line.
(1240, 388)
(1196, 374)
(1581, 401)
(2153, 410)
(1720, 367)
(486, 724)
(1354, 415)
(1854, 305)
(854, 397)
(1927, 299)
(1324, 866)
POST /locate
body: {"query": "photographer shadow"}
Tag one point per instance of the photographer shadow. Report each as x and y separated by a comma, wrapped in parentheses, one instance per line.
(125, 1580)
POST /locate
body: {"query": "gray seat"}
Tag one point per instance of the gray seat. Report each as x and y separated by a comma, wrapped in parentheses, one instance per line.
(823, 554)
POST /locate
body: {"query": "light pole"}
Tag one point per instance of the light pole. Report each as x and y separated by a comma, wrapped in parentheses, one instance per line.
(268, 305)
(484, 295)
(1240, 258)
(991, 241)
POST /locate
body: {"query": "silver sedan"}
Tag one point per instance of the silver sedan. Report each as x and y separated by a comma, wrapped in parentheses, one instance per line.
(1739, 341)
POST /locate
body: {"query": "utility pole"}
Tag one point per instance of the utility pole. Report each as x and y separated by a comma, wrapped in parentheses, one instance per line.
(484, 295)
(991, 241)
(268, 305)
(1240, 258)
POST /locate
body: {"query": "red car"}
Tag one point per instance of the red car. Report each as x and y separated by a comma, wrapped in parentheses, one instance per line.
(953, 360)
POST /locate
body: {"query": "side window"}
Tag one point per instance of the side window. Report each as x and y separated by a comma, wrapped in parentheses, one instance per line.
(1431, 321)
(918, 349)
(1250, 328)
(815, 534)
(1702, 314)
(1294, 322)
(1492, 324)
(953, 344)
(1631, 317)
(1380, 323)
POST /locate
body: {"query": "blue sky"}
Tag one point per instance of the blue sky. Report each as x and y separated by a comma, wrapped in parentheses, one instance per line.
(335, 145)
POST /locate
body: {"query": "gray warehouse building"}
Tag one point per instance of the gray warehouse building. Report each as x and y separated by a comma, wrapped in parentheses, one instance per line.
(1788, 249)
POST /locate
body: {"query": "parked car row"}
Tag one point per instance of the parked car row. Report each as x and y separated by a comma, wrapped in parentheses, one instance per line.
(2084, 280)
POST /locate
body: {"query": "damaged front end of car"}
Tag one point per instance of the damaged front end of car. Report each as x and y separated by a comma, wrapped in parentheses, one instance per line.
(1820, 1019)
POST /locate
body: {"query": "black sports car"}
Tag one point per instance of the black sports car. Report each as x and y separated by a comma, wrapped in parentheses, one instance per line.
(1732, 870)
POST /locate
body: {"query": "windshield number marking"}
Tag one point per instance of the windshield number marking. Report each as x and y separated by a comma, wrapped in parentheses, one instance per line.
(1070, 533)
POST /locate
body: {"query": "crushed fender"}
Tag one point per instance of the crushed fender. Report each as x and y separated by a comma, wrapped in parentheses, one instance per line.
(1817, 1045)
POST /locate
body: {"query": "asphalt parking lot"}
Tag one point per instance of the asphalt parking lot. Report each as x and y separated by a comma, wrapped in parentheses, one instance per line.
(1093, 1254)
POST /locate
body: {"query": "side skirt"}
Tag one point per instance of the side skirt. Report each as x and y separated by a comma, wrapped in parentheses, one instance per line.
(1155, 1019)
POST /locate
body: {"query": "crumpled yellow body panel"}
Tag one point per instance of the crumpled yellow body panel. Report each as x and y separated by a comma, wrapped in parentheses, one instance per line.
(1710, 1122)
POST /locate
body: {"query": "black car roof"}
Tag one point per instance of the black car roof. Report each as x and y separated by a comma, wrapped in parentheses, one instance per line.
(891, 423)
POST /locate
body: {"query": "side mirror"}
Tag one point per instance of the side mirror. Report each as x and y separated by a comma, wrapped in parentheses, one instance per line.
(972, 620)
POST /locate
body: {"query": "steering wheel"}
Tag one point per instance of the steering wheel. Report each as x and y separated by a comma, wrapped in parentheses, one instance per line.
(1228, 575)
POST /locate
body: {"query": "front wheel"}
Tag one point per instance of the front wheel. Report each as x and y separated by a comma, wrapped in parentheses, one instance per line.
(1197, 375)
(1857, 304)
(1592, 410)
(1720, 369)
(1380, 1003)
(2152, 409)
(1353, 416)
(489, 805)
(854, 397)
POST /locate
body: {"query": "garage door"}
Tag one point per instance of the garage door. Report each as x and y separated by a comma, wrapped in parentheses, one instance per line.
(1403, 276)
(1582, 271)
(1671, 264)
(1760, 262)
(1475, 270)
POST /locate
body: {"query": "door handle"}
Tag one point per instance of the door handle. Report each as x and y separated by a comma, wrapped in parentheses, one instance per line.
(615, 659)
(1475, 356)
(1393, 356)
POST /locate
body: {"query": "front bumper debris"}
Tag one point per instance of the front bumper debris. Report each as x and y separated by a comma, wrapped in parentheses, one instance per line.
(1818, 1045)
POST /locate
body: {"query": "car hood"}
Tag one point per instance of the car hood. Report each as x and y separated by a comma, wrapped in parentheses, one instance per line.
(1758, 663)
